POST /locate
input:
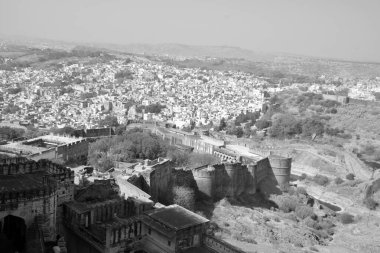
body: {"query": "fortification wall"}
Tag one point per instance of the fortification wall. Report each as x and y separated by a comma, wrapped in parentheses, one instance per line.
(75, 150)
(49, 154)
(29, 209)
(237, 177)
(224, 180)
(219, 245)
(161, 182)
(281, 167)
(205, 180)
(18, 159)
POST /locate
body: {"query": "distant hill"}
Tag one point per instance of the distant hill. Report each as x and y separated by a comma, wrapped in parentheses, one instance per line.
(234, 57)
(180, 50)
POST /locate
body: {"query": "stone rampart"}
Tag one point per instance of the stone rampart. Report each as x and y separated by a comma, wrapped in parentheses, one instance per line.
(219, 246)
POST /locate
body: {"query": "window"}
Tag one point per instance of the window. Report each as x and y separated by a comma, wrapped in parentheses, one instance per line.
(149, 230)
(169, 243)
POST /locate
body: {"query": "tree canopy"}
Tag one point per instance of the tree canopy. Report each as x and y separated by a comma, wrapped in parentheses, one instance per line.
(133, 144)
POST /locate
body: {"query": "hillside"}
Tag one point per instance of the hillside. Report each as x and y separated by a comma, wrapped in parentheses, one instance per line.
(227, 58)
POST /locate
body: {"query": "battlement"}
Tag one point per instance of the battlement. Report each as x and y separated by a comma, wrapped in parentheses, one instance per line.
(233, 166)
(30, 166)
(10, 160)
(204, 172)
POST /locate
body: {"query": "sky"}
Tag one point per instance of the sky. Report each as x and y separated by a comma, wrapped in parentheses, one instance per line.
(345, 29)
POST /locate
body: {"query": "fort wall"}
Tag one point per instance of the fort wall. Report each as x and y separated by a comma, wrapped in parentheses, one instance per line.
(281, 167)
(219, 245)
(40, 199)
(160, 180)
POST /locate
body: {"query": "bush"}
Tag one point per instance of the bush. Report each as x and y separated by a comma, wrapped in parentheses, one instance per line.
(321, 180)
(370, 203)
(338, 180)
(346, 218)
(301, 190)
(287, 203)
(311, 223)
(304, 212)
(350, 176)
(303, 176)
(325, 224)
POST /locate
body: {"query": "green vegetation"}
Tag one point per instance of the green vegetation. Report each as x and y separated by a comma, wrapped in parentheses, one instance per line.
(303, 212)
(133, 144)
(321, 180)
(338, 180)
(153, 108)
(11, 109)
(124, 75)
(9, 133)
(64, 131)
(190, 160)
(14, 91)
(370, 203)
(109, 121)
(350, 176)
(346, 218)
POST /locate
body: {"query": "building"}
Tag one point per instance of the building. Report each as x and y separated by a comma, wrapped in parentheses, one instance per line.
(31, 191)
(172, 229)
(51, 147)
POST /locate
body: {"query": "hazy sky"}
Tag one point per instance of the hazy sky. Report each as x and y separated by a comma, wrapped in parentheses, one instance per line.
(348, 29)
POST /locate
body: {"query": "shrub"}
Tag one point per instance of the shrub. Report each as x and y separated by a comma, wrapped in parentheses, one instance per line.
(303, 176)
(338, 180)
(291, 216)
(325, 224)
(287, 203)
(350, 176)
(310, 223)
(321, 180)
(304, 212)
(370, 203)
(301, 190)
(346, 218)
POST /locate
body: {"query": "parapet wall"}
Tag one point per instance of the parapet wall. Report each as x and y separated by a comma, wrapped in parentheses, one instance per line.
(219, 245)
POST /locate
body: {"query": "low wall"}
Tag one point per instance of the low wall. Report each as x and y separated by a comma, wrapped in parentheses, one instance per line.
(219, 245)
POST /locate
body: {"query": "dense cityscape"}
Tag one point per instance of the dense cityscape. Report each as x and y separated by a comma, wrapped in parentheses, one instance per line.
(189, 126)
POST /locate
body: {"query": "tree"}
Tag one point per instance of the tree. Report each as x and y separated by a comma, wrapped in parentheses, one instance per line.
(304, 212)
(262, 124)
(11, 133)
(65, 130)
(222, 124)
(284, 125)
(350, 176)
(312, 126)
(109, 121)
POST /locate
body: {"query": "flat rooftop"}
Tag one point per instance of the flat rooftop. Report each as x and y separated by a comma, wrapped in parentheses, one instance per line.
(31, 146)
(176, 217)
